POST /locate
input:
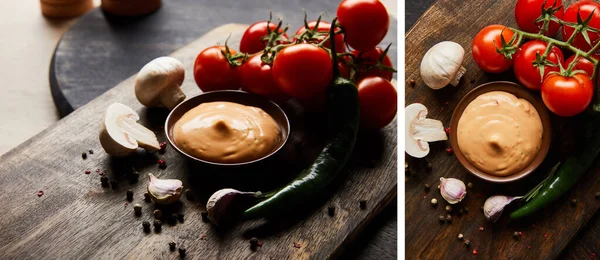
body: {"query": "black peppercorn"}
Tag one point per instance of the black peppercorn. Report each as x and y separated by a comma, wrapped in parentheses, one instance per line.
(129, 195)
(448, 208)
(172, 246)
(253, 243)
(468, 243)
(146, 226)
(134, 177)
(157, 213)
(157, 225)
(104, 181)
(137, 209)
(189, 195)
(412, 82)
(91, 151)
(147, 197)
(180, 217)
(429, 166)
(427, 187)
(181, 252)
(363, 204)
(574, 202)
(516, 235)
(204, 215)
(597, 195)
(84, 155)
(114, 184)
(449, 218)
(442, 219)
(331, 210)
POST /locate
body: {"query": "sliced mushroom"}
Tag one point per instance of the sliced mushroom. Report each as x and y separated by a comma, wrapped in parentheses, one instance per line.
(121, 135)
(442, 65)
(421, 130)
(158, 83)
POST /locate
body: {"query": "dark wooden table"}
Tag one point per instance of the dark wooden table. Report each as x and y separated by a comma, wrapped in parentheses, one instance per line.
(96, 53)
(453, 20)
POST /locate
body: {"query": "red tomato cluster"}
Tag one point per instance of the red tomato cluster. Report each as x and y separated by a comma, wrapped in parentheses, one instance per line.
(566, 90)
(302, 67)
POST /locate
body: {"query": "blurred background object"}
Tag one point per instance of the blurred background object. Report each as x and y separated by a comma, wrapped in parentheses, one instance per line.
(65, 8)
(130, 7)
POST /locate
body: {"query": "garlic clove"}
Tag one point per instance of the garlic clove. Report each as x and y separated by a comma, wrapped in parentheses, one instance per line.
(442, 65)
(164, 191)
(419, 130)
(494, 206)
(452, 190)
(226, 205)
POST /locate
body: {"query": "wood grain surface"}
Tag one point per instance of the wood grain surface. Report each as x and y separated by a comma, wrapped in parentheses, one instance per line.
(76, 218)
(545, 235)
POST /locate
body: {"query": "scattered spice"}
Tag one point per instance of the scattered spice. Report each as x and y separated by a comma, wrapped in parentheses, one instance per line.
(442, 219)
(466, 209)
(203, 237)
(516, 235)
(40, 193)
(181, 252)
(87, 172)
(180, 217)
(449, 218)
(546, 235)
(331, 210)
(446, 103)
(129, 195)
(528, 247)
(429, 166)
(427, 187)
(97, 170)
(147, 197)
(481, 228)
(157, 213)
(253, 243)
(172, 246)
(189, 195)
(137, 209)
(475, 252)
(91, 151)
(296, 245)
(146, 226)
(134, 177)
(363, 204)
(260, 243)
(114, 184)
(447, 130)
(162, 164)
(448, 208)
(593, 255)
(470, 185)
(461, 212)
(433, 202)
(84, 156)
(597, 195)
(104, 181)
(449, 151)
(163, 147)
(460, 236)
(204, 215)
(468, 243)
(157, 225)
(412, 82)
(574, 202)
(126, 203)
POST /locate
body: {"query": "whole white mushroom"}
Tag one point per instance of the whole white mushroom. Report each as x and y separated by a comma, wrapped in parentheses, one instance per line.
(158, 83)
(442, 65)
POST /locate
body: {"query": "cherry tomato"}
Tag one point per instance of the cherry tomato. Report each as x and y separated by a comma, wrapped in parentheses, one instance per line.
(302, 70)
(252, 42)
(567, 96)
(378, 102)
(484, 48)
(585, 9)
(212, 71)
(371, 57)
(583, 64)
(528, 74)
(257, 78)
(340, 47)
(365, 22)
(527, 11)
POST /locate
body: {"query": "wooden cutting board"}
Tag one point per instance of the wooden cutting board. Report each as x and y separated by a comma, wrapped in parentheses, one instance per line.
(76, 218)
(546, 234)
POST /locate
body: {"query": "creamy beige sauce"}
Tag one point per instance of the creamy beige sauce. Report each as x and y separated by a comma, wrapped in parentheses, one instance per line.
(499, 133)
(226, 132)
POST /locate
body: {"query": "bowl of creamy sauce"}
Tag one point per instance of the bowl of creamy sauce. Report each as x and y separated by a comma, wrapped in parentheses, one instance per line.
(500, 131)
(227, 128)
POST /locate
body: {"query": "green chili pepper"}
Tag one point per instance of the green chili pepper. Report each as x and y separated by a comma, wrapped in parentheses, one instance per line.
(343, 121)
(567, 174)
